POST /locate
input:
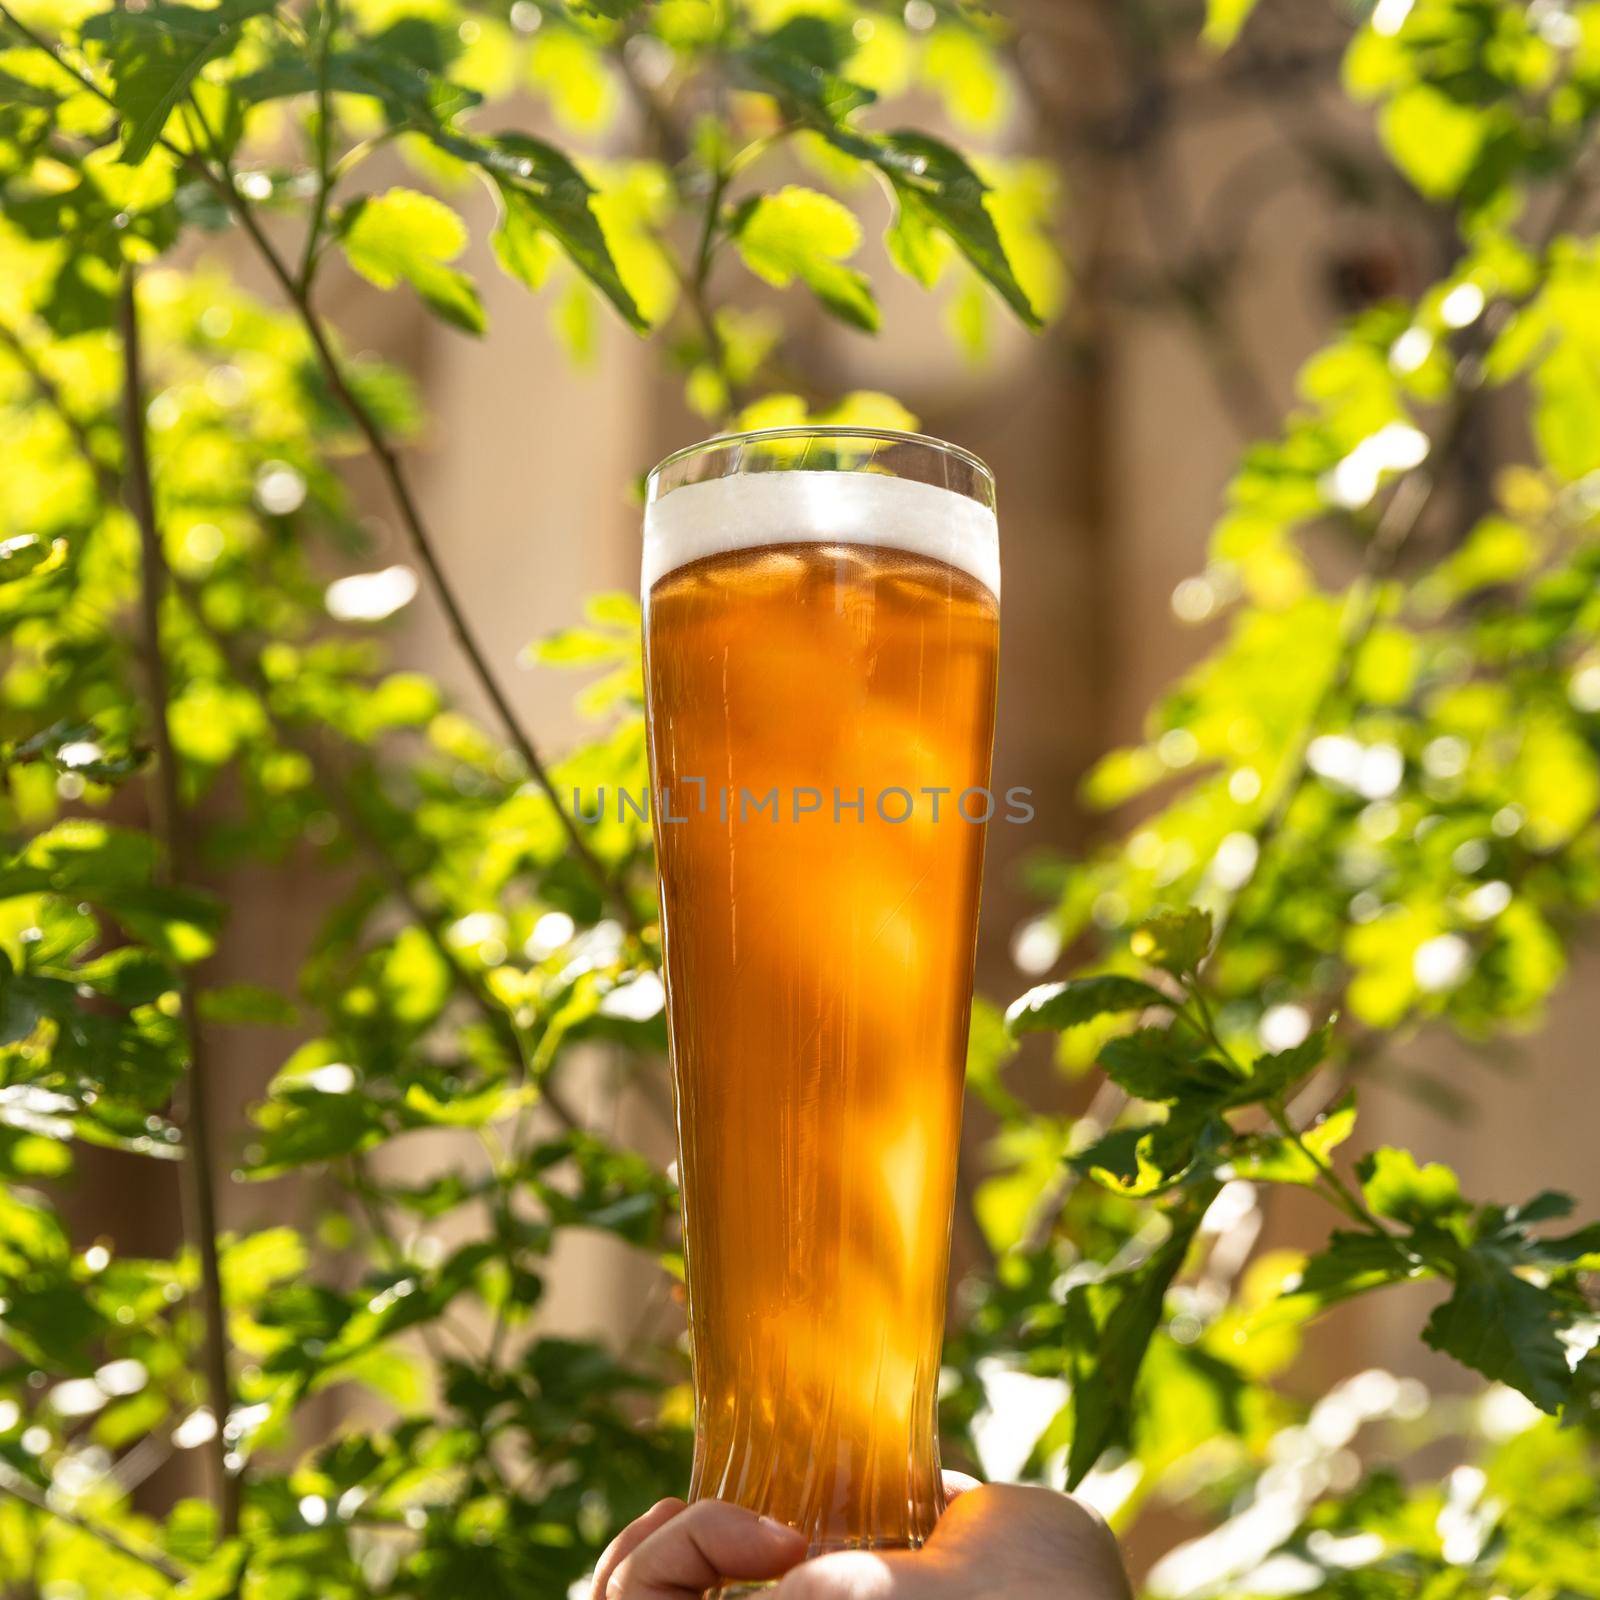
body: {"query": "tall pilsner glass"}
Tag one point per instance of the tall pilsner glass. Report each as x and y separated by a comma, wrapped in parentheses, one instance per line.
(821, 630)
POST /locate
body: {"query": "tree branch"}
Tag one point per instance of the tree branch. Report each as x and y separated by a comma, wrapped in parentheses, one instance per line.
(1164, 201)
(170, 826)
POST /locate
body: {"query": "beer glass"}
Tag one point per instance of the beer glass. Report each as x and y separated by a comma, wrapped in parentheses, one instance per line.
(821, 628)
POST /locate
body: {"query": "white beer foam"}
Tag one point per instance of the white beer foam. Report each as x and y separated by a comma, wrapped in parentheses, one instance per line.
(801, 507)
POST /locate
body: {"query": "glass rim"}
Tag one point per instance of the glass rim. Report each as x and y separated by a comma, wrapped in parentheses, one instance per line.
(817, 430)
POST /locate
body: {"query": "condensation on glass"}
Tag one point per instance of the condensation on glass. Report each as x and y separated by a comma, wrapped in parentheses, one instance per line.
(821, 633)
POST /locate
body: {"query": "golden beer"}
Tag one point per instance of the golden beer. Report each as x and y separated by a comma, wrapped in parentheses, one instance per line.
(821, 715)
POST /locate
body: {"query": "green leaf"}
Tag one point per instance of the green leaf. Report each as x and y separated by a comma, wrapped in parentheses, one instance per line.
(415, 978)
(301, 1126)
(572, 74)
(254, 1263)
(52, 1324)
(916, 247)
(156, 54)
(1175, 941)
(129, 976)
(1272, 1076)
(1272, 1158)
(412, 96)
(1434, 141)
(1583, 1404)
(32, 1240)
(402, 235)
(803, 77)
(582, 647)
(1057, 1006)
(391, 1313)
(868, 408)
(82, 859)
(937, 185)
(27, 1157)
(541, 191)
(471, 1109)
(220, 1575)
(617, 1191)
(616, 609)
(1566, 416)
(934, 184)
(1113, 1323)
(522, 247)
(20, 555)
(17, 91)
(963, 68)
(1162, 1064)
(1224, 19)
(80, 747)
(1397, 1188)
(1143, 1161)
(801, 233)
(1505, 1327)
(1351, 1264)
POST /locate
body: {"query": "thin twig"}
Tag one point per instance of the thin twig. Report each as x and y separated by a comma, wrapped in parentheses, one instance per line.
(423, 548)
(19, 1488)
(1203, 1022)
(1339, 1191)
(694, 276)
(319, 208)
(199, 1166)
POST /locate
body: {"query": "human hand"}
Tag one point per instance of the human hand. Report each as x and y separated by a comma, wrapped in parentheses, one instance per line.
(1000, 1541)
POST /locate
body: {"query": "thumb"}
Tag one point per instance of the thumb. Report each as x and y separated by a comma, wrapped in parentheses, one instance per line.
(699, 1548)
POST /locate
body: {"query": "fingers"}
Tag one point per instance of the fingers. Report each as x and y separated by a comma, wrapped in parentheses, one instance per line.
(685, 1552)
(629, 1540)
(860, 1575)
(883, 1575)
(1025, 1533)
(1026, 1542)
(869, 1575)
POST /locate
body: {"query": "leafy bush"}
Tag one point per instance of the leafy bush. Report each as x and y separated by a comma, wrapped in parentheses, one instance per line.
(1378, 801)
